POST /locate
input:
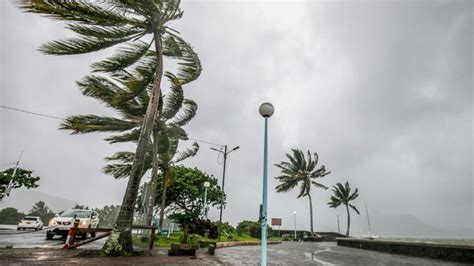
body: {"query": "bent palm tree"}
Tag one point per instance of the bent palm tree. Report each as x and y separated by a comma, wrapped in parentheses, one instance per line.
(342, 195)
(129, 100)
(104, 24)
(301, 171)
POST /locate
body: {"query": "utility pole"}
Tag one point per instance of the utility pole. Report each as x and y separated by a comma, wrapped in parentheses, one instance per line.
(9, 187)
(224, 153)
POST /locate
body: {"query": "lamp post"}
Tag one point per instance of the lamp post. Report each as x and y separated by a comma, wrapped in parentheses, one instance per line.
(225, 153)
(294, 213)
(266, 110)
(206, 185)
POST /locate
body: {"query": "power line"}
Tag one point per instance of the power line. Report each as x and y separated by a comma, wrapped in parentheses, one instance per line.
(59, 118)
(33, 113)
(211, 143)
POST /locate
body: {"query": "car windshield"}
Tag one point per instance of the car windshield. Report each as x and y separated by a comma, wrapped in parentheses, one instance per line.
(29, 219)
(79, 214)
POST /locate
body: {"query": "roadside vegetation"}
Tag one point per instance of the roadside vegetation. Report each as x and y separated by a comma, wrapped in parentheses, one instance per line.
(177, 238)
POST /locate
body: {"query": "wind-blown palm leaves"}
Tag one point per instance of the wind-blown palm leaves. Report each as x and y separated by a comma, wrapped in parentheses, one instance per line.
(342, 196)
(103, 24)
(301, 171)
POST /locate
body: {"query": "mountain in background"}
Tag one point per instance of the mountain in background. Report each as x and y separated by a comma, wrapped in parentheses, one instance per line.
(24, 199)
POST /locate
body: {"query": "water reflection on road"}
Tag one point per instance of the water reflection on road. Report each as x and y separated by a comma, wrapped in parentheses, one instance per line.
(37, 239)
(317, 253)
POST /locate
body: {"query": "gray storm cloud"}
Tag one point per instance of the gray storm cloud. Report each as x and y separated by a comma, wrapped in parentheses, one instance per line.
(381, 90)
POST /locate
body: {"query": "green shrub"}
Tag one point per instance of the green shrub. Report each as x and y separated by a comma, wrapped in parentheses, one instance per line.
(252, 228)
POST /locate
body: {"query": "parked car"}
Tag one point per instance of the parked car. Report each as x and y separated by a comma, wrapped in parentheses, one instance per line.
(30, 222)
(60, 224)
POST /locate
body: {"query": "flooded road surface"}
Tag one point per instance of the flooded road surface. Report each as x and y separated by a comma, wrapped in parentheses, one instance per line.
(287, 253)
(317, 253)
(37, 239)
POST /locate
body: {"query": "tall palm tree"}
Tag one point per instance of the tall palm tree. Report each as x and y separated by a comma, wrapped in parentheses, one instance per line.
(301, 171)
(342, 195)
(104, 24)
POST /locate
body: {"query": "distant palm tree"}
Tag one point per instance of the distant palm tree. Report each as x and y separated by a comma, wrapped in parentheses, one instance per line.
(301, 171)
(342, 195)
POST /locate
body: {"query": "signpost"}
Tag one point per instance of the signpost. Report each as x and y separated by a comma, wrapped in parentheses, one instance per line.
(277, 222)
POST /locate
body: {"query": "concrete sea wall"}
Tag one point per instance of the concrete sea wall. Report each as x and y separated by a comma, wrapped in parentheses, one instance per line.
(463, 254)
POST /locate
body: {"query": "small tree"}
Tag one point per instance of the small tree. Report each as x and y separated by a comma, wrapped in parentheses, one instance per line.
(187, 195)
(44, 212)
(22, 178)
(10, 216)
(342, 195)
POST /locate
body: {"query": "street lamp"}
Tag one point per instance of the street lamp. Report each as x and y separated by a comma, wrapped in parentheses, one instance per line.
(266, 110)
(206, 185)
(225, 153)
(294, 213)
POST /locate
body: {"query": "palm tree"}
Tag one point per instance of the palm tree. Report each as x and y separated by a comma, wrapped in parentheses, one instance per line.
(130, 100)
(342, 195)
(104, 24)
(167, 149)
(301, 171)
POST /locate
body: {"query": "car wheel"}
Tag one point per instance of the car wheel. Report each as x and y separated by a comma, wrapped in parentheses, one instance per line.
(49, 236)
(18, 228)
(36, 229)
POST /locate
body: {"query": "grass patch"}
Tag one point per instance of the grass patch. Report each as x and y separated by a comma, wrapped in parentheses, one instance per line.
(175, 238)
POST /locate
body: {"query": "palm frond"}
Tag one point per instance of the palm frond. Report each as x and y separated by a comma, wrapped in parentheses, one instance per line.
(174, 100)
(79, 45)
(105, 32)
(124, 58)
(86, 12)
(131, 136)
(187, 153)
(118, 171)
(185, 114)
(354, 208)
(92, 123)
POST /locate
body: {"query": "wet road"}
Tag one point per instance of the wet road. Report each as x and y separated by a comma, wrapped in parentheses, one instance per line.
(322, 253)
(287, 253)
(37, 239)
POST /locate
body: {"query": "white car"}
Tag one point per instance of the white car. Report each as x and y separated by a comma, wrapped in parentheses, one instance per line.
(60, 224)
(30, 222)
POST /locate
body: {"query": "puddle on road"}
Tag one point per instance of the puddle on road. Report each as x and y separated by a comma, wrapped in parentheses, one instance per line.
(314, 256)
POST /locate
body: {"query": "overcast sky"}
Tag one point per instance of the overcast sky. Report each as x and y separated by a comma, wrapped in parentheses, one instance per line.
(381, 90)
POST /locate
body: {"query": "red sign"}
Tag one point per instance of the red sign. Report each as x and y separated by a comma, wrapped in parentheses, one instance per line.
(276, 221)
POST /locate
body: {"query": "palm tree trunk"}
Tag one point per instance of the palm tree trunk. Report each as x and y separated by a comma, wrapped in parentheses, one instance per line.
(125, 217)
(311, 213)
(348, 220)
(163, 197)
(154, 177)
